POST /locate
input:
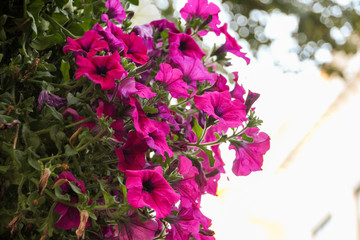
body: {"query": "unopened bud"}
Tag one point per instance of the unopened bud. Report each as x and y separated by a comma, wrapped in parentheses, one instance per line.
(13, 223)
(173, 165)
(44, 180)
(36, 202)
(80, 232)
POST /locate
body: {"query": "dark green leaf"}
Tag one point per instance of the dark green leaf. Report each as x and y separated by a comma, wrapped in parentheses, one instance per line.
(134, 2)
(75, 188)
(59, 194)
(69, 151)
(34, 163)
(3, 169)
(44, 42)
(149, 109)
(53, 112)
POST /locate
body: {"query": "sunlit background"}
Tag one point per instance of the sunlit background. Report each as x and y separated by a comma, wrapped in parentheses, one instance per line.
(310, 184)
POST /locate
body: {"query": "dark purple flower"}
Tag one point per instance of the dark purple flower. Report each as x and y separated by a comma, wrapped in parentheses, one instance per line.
(163, 24)
(115, 11)
(132, 155)
(69, 216)
(250, 99)
(50, 99)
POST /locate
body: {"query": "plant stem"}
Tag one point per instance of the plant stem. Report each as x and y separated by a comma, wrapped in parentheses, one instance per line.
(54, 22)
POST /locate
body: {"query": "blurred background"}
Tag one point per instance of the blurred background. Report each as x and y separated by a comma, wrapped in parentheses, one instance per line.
(305, 63)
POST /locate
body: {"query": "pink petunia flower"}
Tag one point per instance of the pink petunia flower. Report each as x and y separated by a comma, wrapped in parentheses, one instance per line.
(202, 9)
(238, 91)
(132, 155)
(193, 70)
(103, 69)
(112, 34)
(187, 186)
(156, 138)
(231, 45)
(162, 24)
(172, 81)
(220, 106)
(115, 11)
(129, 87)
(69, 216)
(249, 155)
(89, 44)
(134, 48)
(148, 188)
(182, 44)
(109, 110)
(183, 225)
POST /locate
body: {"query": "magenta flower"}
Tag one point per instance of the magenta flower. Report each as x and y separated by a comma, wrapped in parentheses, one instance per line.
(69, 216)
(193, 70)
(165, 114)
(109, 110)
(132, 155)
(129, 87)
(163, 24)
(89, 44)
(50, 99)
(220, 84)
(148, 188)
(69, 112)
(156, 138)
(182, 44)
(249, 155)
(142, 123)
(134, 48)
(231, 45)
(172, 81)
(238, 91)
(250, 99)
(112, 35)
(115, 11)
(187, 186)
(202, 9)
(220, 106)
(183, 225)
(103, 69)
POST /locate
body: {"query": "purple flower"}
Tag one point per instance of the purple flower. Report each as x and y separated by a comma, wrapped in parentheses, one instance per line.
(50, 99)
(182, 44)
(148, 188)
(220, 106)
(69, 216)
(249, 155)
(163, 24)
(115, 11)
(231, 45)
(89, 44)
(165, 114)
(156, 138)
(250, 99)
(202, 9)
(193, 70)
(172, 81)
(103, 69)
(132, 155)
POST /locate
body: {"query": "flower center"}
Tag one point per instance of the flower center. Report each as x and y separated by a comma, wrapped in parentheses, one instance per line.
(182, 46)
(148, 186)
(218, 111)
(101, 71)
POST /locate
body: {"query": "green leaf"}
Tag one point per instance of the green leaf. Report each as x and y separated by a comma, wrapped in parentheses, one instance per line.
(44, 42)
(49, 110)
(149, 109)
(69, 151)
(34, 163)
(210, 155)
(3, 169)
(134, 2)
(72, 100)
(75, 188)
(92, 215)
(65, 68)
(109, 200)
(197, 129)
(59, 194)
(247, 138)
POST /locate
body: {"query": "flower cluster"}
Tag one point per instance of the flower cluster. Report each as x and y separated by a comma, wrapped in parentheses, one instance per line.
(146, 142)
